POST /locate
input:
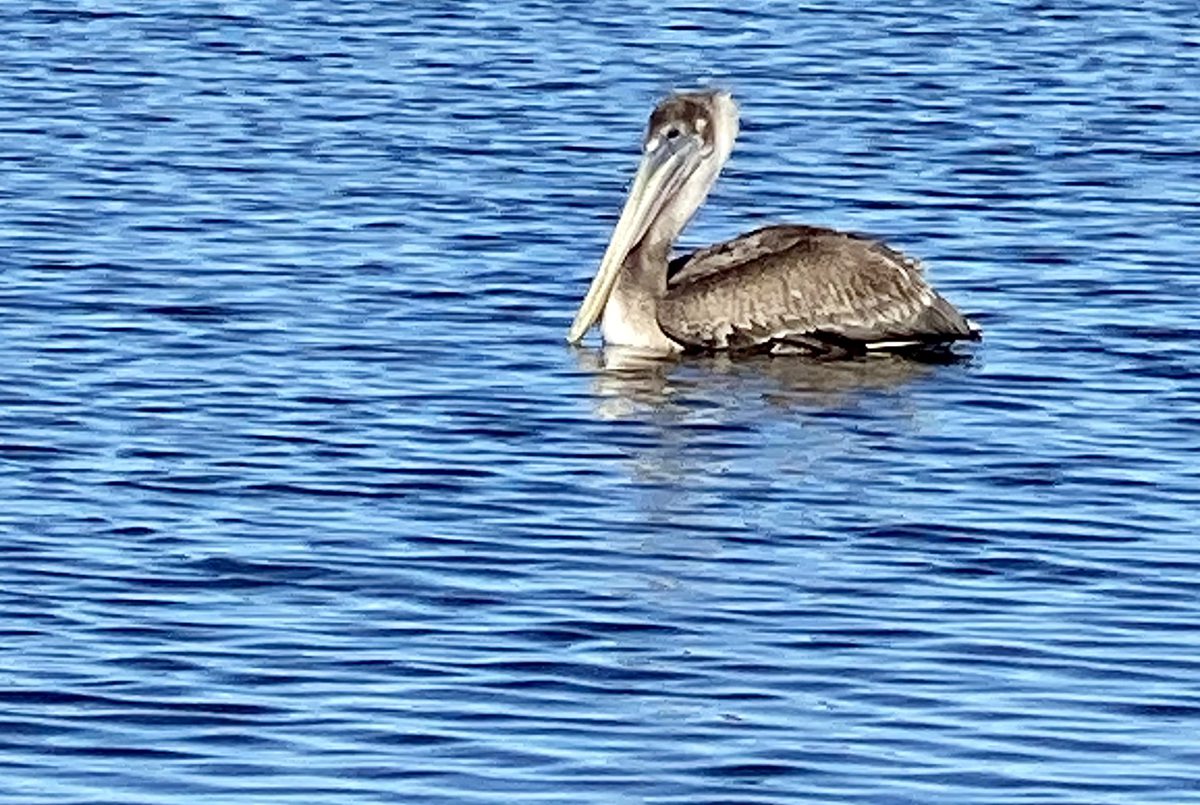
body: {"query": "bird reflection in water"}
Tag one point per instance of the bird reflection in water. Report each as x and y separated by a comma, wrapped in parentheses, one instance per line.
(628, 382)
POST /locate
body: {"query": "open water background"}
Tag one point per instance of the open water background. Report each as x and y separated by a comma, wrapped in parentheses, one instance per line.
(305, 499)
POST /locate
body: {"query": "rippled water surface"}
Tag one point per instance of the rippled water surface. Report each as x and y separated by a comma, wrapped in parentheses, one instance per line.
(306, 499)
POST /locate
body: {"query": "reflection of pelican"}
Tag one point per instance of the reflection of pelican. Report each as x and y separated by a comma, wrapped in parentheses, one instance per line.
(629, 383)
(779, 289)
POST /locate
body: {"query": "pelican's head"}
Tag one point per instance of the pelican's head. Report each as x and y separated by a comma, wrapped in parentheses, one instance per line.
(688, 139)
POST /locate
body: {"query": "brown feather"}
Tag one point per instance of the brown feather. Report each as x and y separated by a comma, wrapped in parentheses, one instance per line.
(817, 290)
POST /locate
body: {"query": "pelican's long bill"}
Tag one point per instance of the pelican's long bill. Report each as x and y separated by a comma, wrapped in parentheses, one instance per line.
(665, 168)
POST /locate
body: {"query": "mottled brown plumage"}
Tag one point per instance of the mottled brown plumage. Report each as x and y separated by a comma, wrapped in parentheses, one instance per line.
(808, 289)
(781, 288)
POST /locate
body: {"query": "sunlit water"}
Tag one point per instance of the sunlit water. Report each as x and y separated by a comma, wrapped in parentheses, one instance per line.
(306, 499)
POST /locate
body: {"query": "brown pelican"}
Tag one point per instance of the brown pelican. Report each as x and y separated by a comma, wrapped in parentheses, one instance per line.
(782, 288)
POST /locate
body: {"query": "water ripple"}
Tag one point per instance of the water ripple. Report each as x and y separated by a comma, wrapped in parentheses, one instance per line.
(307, 500)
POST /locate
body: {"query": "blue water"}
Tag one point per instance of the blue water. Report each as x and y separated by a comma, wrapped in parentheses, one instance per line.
(305, 499)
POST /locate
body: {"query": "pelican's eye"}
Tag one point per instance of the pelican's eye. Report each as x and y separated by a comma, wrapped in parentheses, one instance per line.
(673, 133)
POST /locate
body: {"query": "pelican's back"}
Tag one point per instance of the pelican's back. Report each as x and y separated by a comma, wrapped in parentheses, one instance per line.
(812, 289)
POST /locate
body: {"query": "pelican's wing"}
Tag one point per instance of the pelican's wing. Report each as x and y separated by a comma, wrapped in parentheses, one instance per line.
(817, 290)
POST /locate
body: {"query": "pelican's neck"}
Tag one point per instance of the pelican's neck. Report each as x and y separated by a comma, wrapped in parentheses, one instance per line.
(631, 315)
(678, 212)
(646, 265)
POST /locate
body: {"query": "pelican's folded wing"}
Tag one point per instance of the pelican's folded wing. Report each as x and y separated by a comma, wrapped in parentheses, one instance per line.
(815, 289)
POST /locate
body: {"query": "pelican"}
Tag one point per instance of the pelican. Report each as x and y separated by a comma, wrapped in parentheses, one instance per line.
(783, 288)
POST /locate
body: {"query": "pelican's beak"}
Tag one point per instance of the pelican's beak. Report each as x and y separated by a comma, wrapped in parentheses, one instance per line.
(666, 166)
